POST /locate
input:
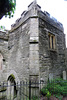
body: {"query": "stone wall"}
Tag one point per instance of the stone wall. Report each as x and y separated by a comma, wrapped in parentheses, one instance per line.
(52, 61)
(19, 51)
(26, 51)
(34, 49)
(66, 60)
(30, 54)
(4, 52)
(23, 44)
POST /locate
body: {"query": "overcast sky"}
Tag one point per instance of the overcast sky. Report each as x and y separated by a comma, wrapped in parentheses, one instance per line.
(57, 9)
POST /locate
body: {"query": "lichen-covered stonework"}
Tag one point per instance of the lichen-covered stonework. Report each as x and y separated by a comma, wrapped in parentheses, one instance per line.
(4, 52)
(27, 49)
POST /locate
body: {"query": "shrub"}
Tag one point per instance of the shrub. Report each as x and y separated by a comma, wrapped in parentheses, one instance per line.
(44, 90)
(35, 98)
(48, 95)
(57, 87)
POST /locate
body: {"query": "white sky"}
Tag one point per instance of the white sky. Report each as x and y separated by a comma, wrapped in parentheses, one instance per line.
(57, 8)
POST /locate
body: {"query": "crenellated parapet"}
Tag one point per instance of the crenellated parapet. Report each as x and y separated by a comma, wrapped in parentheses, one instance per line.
(34, 10)
(51, 20)
(31, 12)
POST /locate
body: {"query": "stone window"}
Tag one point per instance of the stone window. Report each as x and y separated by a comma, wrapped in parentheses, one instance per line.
(1, 61)
(51, 39)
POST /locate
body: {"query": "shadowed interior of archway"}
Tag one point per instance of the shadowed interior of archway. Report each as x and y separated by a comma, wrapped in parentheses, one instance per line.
(11, 79)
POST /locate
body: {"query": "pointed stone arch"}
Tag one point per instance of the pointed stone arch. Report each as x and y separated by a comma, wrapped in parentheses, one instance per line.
(12, 72)
(12, 80)
(11, 90)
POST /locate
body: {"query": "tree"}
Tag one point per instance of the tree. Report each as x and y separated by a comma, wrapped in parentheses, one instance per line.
(7, 8)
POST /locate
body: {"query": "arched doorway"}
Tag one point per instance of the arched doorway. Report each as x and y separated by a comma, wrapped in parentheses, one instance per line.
(11, 89)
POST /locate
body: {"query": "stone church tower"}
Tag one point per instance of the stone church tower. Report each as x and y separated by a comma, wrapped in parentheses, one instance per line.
(36, 46)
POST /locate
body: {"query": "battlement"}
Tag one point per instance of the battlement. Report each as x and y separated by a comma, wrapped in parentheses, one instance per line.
(51, 20)
(26, 14)
(39, 13)
(54, 19)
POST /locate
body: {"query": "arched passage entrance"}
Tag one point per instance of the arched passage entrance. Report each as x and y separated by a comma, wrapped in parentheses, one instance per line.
(11, 89)
(12, 78)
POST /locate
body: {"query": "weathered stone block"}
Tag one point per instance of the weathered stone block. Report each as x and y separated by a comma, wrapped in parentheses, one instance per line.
(64, 75)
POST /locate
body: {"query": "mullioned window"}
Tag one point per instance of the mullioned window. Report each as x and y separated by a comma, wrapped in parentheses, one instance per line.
(51, 40)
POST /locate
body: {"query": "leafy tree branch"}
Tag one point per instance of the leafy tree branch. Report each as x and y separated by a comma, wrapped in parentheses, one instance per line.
(7, 8)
